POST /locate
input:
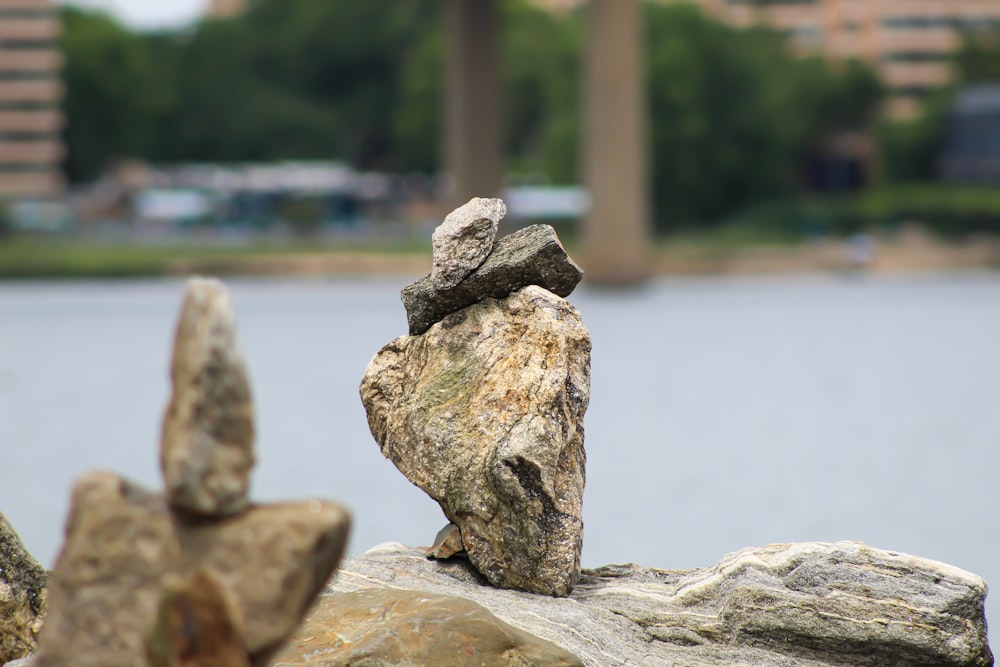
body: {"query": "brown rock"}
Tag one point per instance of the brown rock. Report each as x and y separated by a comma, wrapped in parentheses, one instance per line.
(274, 560)
(447, 543)
(207, 449)
(22, 596)
(106, 585)
(124, 547)
(197, 626)
(484, 412)
(394, 627)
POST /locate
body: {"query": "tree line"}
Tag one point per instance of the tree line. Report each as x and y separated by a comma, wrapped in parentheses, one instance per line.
(734, 113)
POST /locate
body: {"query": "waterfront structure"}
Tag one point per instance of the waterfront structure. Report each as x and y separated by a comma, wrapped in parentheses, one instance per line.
(910, 42)
(226, 8)
(30, 92)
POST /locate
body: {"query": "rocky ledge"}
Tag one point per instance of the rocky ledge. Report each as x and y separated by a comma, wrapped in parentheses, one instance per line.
(806, 604)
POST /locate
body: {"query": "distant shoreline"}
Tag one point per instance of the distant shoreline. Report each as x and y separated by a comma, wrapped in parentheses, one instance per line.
(29, 259)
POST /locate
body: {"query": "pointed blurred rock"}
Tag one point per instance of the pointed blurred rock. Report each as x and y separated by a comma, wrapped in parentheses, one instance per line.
(23, 585)
(207, 448)
(464, 240)
(484, 412)
(274, 560)
(394, 627)
(530, 256)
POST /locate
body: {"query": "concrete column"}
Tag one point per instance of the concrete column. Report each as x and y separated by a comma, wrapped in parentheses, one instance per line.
(472, 115)
(616, 240)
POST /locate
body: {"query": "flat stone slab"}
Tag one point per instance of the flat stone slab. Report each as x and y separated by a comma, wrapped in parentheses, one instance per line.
(788, 605)
(530, 256)
(381, 626)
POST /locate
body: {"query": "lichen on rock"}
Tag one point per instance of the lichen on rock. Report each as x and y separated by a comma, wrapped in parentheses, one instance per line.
(23, 592)
(484, 412)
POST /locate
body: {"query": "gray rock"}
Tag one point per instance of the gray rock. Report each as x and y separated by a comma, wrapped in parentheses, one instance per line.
(394, 627)
(803, 605)
(207, 448)
(464, 240)
(22, 596)
(531, 256)
(23, 662)
(484, 412)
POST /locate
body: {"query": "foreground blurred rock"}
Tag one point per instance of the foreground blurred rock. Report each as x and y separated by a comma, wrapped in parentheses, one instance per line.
(381, 626)
(207, 452)
(484, 412)
(196, 576)
(807, 605)
(22, 596)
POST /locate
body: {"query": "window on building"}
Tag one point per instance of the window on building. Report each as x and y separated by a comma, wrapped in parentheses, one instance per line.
(916, 57)
(920, 21)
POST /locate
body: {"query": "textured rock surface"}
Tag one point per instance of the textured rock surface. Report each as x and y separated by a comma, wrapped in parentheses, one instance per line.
(484, 412)
(464, 239)
(124, 548)
(805, 605)
(394, 627)
(22, 596)
(531, 256)
(207, 449)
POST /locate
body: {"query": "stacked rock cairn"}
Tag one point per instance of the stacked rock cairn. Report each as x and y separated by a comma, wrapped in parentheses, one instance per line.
(199, 576)
(482, 404)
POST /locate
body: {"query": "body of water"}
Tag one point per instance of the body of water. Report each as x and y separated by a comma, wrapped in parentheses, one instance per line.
(725, 412)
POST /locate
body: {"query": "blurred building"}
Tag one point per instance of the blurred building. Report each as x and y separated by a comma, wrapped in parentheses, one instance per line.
(30, 90)
(971, 151)
(224, 8)
(909, 41)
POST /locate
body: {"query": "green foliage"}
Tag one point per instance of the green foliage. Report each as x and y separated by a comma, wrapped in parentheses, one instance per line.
(117, 94)
(952, 212)
(734, 114)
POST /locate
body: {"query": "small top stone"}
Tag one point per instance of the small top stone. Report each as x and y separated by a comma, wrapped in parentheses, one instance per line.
(207, 447)
(465, 239)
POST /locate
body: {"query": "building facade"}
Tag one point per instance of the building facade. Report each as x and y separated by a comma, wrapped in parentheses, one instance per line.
(226, 8)
(910, 42)
(30, 93)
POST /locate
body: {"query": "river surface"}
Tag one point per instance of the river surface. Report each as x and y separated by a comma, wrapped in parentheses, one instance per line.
(724, 412)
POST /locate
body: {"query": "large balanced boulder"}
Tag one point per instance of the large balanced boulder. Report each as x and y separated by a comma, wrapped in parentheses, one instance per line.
(484, 412)
(381, 626)
(22, 596)
(784, 605)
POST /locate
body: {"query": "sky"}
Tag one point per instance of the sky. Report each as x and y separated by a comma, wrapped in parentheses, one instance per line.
(147, 14)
